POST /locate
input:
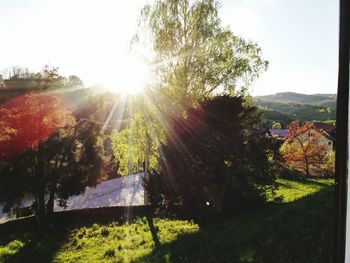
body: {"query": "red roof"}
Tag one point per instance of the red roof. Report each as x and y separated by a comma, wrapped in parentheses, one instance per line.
(327, 127)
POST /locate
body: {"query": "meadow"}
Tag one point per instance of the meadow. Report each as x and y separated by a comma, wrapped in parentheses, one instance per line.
(297, 226)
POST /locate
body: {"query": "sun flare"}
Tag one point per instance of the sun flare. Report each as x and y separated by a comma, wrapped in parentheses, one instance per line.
(130, 75)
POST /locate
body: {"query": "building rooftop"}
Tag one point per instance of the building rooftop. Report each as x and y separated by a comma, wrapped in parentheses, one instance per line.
(282, 133)
(125, 191)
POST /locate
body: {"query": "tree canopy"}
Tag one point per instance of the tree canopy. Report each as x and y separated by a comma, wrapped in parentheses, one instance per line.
(277, 126)
(303, 148)
(192, 54)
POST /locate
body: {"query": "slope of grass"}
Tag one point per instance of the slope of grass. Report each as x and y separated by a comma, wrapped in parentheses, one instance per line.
(96, 243)
(291, 190)
(297, 230)
(119, 243)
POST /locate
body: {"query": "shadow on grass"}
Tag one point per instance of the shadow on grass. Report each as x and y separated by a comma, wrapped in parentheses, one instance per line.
(44, 247)
(153, 230)
(297, 176)
(304, 181)
(38, 247)
(300, 231)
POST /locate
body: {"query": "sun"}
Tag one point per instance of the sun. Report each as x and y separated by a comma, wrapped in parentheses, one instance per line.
(129, 75)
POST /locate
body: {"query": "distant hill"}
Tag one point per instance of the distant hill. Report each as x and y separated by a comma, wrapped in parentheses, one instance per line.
(272, 116)
(287, 106)
(326, 100)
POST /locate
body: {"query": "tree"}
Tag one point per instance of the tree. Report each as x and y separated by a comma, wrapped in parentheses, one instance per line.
(276, 125)
(328, 166)
(46, 154)
(302, 147)
(47, 79)
(194, 56)
(133, 147)
(73, 82)
(28, 120)
(215, 162)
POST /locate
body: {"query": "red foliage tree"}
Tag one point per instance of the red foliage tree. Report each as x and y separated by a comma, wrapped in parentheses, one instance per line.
(27, 120)
(302, 148)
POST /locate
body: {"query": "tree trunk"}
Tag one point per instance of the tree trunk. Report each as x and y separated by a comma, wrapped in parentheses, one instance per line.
(50, 205)
(307, 167)
(40, 212)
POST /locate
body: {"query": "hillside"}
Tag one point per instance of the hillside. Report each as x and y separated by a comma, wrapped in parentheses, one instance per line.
(325, 100)
(272, 116)
(287, 106)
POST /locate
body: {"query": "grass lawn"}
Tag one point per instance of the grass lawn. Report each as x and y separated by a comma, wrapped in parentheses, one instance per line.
(299, 229)
(291, 190)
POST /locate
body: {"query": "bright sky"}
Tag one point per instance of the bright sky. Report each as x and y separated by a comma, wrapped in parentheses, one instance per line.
(90, 39)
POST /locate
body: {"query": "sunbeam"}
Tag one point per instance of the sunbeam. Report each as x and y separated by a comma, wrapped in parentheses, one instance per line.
(118, 107)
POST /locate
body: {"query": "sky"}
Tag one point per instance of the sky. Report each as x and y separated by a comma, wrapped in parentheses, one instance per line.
(91, 38)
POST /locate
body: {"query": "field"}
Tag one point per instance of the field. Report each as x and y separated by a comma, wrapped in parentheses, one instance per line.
(296, 227)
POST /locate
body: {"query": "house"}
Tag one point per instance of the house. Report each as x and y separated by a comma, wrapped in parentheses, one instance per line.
(125, 191)
(330, 129)
(323, 138)
(327, 127)
(324, 134)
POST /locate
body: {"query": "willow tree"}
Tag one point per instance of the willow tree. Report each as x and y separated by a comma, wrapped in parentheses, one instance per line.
(192, 54)
(135, 147)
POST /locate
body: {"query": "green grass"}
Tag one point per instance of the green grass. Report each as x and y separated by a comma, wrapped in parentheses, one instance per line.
(291, 190)
(297, 230)
(96, 243)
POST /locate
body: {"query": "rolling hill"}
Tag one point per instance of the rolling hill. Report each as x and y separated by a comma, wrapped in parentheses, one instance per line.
(287, 106)
(325, 100)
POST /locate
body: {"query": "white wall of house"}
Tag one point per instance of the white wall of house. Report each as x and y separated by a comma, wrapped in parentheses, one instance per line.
(322, 139)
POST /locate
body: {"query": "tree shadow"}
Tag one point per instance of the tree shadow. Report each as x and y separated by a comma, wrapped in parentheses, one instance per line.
(153, 230)
(42, 247)
(299, 231)
(294, 174)
(297, 176)
(39, 247)
(305, 181)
